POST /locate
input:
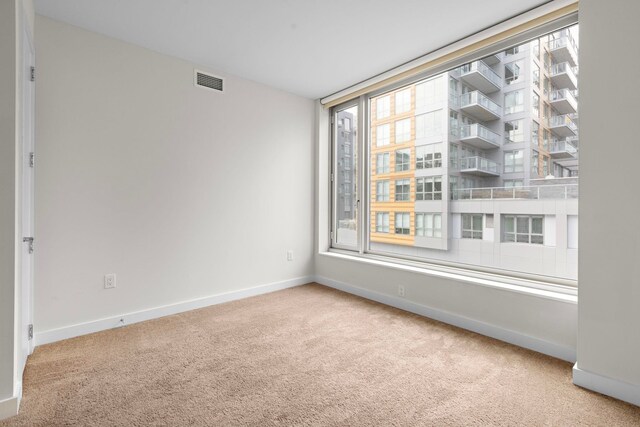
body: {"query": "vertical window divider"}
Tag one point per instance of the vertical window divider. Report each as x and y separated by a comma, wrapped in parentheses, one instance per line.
(364, 175)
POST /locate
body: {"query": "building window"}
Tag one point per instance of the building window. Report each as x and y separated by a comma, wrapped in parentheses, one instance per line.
(383, 135)
(535, 129)
(513, 183)
(383, 107)
(513, 72)
(512, 51)
(514, 102)
(429, 92)
(403, 101)
(546, 137)
(382, 222)
(545, 166)
(403, 131)
(523, 229)
(403, 188)
(535, 105)
(513, 161)
(429, 156)
(346, 124)
(429, 188)
(453, 156)
(429, 224)
(382, 191)
(403, 159)
(535, 160)
(429, 124)
(402, 223)
(536, 75)
(472, 226)
(382, 163)
(514, 131)
(536, 48)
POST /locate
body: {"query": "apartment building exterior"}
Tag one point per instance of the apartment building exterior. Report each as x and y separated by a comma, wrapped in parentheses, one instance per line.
(481, 162)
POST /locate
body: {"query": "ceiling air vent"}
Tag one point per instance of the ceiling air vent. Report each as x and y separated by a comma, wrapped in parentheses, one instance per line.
(208, 81)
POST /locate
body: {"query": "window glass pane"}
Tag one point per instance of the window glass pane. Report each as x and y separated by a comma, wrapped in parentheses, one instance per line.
(501, 133)
(346, 177)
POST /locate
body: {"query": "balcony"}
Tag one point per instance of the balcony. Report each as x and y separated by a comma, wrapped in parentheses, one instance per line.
(564, 49)
(562, 150)
(479, 166)
(479, 136)
(563, 101)
(563, 76)
(479, 75)
(479, 106)
(493, 59)
(538, 192)
(563, 126)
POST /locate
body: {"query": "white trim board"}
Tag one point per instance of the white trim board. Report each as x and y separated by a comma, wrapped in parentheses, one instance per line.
(9, 407)
(605, 385)
(497, 332)
(53, 335)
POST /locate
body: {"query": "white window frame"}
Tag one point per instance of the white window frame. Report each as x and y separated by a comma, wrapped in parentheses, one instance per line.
(403, 131)
(428, 195)
(383, 107)
(403, 154)
(383, 135)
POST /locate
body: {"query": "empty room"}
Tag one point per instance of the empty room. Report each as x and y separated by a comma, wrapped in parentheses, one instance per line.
(323, 213)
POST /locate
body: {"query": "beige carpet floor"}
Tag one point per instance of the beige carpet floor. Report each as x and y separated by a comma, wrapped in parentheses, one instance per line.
(303, 356)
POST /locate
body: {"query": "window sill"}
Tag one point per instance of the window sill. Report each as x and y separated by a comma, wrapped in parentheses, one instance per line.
(538, 289)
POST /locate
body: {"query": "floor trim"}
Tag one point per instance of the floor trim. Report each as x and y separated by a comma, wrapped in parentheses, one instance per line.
(605, 385)
(53, 335)
(9, 407)
(497, 332)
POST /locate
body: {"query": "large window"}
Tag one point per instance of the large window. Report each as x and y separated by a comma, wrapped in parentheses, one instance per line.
(523, 229)
(402, 225)
(429, 188)
(514, 102)
(513, 161)
(402, 190)
(429, 224)
(472, 226)
(403, 160)
(382, 163)
(429, 156)
(382, 222)
(403, 131)
(467, 185)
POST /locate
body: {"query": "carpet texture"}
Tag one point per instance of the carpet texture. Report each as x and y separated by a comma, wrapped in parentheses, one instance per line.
(309, 355)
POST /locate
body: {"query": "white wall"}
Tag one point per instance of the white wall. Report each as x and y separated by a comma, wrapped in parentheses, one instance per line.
(180, 191)
(15, 15)
(609, 270)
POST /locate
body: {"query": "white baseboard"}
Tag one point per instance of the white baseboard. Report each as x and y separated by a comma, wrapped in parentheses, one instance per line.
(497, 332)
(605, 385)
(9, 407)
(52, 335)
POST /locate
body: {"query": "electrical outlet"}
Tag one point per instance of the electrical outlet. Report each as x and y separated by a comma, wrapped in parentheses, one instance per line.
(401, 290)
(289, 255)
(110, 281)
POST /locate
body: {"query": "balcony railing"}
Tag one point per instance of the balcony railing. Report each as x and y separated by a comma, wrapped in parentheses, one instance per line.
(563, 120)
(563, 67)
(566, 42)
(477, 97)
(560, 94)
(538, 192)
(479, 164)
(482, 68)
(562, 146)
(476, 130)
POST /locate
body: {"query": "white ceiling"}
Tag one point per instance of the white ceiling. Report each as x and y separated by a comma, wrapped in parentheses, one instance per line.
(308, 47)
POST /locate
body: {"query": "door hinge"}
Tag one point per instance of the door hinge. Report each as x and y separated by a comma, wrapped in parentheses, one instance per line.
(32, 76)
(32, 159)
(29, 240)
(30, 332)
